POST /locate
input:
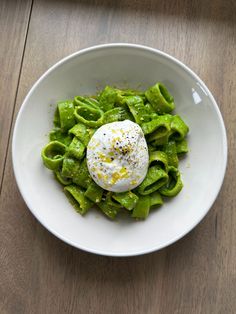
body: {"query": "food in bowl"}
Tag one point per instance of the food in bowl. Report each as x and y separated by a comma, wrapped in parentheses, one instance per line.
(118, 150)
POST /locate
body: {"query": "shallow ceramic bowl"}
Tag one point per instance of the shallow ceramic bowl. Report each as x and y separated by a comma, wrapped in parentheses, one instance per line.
(123, 65)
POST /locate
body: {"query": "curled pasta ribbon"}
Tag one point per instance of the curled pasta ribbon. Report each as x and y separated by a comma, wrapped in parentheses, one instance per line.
(130, 92)
(77, 199)
(158, 158)
(139, 111)
(160, 99)
(94, 192)
(109, 206)
(145, 203)
(88, 113)
(77, 171)
(80, 100)
(156, 177)
(70, 167)
(178, 128)
(107, 98)
(161, 131)
(82, 132)
(66, 114)
(76, 149)
(112, 202)
(126, 199)
(158, 129)
(57, 135)
(116, 114)
(61, 179)
(171, 153)
(182, 147)
(150, 108)
(155, 199)
(141, 209)
(53, 154)
(174, 184)
(81, 176)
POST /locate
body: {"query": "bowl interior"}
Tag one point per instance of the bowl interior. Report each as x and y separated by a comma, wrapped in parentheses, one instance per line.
(124, 66)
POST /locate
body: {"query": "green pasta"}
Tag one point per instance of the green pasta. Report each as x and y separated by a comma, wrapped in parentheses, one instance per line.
(155, 199)
(110, 211)
(182, 147)
(89, 115)
(76, 149)
(141, 209)
(158, 158)
(76, 120)
(77, 198)
(53, 155)
(155, 178)
(79, 100)
(57, 135)
(94, 192)
(66, 114)
(109, 207)
(160, 99)
(70, 167)
(158, 129)
(107, 98)
(61, 179)
(174, 184)
(82, 132)
(116, 114)
(178, 128)
(128, 199)
(137, 108)
(82, 176)
(171, 153)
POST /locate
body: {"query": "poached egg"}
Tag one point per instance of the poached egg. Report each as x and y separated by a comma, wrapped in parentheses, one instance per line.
(117, 156)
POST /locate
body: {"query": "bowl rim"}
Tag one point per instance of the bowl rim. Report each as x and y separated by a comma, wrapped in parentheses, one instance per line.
(155, 52)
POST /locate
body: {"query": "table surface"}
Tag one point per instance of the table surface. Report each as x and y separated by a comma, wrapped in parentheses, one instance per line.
(41, 274)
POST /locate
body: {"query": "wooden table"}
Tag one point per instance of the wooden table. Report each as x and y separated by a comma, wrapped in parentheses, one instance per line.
(41, 274)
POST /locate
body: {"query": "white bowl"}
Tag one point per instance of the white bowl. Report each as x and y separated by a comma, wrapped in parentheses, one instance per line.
(123, 65)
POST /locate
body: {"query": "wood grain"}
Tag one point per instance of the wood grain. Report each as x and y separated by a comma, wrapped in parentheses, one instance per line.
(41, 274)
(14, 17)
